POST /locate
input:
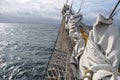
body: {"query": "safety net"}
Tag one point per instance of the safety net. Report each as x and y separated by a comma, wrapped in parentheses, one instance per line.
(58, 67)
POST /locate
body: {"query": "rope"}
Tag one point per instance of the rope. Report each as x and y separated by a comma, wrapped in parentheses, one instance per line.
(71, 5)
(82, 2)
(66, 1)
(114, 10)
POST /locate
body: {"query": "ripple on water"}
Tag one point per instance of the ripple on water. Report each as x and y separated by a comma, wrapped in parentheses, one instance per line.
(25, 50)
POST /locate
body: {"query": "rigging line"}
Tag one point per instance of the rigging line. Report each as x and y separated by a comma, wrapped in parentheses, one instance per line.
(114, 10)
(71, 5)
(66, 1)
(115, 13)
(82, 2)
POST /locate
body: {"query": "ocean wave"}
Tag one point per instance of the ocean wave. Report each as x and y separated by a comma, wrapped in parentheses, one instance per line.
(25, 50)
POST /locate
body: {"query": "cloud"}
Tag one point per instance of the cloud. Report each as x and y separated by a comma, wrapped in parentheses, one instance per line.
(92, 8)
(32, 8)
(42, 10)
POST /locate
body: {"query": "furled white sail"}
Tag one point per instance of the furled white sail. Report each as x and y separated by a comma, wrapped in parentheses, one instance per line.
(76, 37)
(100, 58)
(102, 53)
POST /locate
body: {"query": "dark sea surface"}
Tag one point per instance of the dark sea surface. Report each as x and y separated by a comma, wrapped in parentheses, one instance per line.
(25, 50)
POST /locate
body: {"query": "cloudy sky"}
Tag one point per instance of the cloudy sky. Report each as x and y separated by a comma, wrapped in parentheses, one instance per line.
(42, 11)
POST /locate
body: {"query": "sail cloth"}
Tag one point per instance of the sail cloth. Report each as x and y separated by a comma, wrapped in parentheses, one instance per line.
(74, 33)
(102, 52)
(101, 55)
(67, 12)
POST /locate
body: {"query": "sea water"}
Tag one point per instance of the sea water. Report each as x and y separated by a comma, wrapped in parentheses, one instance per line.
(25, 50)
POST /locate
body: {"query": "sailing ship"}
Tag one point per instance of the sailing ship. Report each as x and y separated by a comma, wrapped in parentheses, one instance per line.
(82, 52)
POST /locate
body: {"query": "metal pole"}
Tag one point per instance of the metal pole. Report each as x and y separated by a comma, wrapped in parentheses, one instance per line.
(114, 9)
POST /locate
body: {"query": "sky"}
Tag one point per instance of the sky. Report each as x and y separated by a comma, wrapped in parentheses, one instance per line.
(49, 11)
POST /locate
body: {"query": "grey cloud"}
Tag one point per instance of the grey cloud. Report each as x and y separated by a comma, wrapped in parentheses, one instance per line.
(49, 11)
(92, 8)
(1, 13)
(24, 13)
(17, 19)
